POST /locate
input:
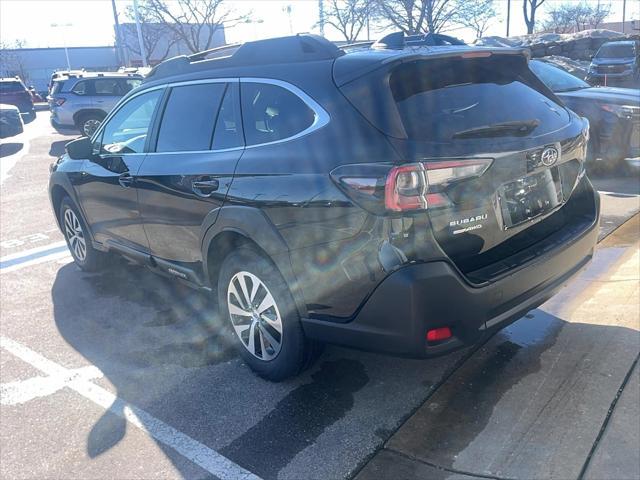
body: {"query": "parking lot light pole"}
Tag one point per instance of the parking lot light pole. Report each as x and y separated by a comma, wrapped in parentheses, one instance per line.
(143, 53)
(64, 40)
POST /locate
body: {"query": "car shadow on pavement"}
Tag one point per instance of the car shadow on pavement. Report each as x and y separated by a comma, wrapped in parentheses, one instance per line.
(8, 149)
(163, 348)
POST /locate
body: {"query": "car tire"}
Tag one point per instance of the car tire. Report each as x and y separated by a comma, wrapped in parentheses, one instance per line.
(254, 300)
(88, 123)
(78, 240)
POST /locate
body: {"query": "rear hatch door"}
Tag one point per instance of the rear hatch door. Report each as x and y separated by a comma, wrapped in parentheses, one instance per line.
(500, 151)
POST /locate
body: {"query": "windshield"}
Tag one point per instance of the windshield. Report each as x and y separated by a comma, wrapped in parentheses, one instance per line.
(616, 51)
(555, 78)
(6, 87)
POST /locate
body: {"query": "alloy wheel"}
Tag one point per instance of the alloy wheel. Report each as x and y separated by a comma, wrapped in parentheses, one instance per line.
(254, 315)
(75, 235)
(90, 126)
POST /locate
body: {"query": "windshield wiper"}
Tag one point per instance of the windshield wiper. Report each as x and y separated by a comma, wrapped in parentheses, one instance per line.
(516, 129)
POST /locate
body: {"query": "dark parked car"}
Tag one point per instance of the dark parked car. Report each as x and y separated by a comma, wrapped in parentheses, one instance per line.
(10, 121)
(399, 200)
(616, 64)
(613, 113)
(14, 92)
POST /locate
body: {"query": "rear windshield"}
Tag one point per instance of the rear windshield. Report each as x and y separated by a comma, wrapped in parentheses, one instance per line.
(442, 100)
(6, 87)
(616, 51)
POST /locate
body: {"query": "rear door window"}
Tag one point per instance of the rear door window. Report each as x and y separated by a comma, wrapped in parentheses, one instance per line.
(271, 113)
(80, 88)
(108, 86)
(189, 117)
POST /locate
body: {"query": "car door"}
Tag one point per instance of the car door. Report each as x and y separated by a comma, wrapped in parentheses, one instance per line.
(186, 177)
(107, 190)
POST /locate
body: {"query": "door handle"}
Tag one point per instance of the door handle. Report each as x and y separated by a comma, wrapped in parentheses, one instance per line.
(125, 180)
(205, 188)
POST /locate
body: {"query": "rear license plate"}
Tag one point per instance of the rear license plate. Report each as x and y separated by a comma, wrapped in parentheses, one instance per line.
(529, 197)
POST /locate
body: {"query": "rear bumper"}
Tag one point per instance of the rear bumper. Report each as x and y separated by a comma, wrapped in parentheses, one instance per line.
(420, 297)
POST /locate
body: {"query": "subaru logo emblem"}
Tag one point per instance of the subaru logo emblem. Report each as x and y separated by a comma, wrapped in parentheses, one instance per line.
(549, 156)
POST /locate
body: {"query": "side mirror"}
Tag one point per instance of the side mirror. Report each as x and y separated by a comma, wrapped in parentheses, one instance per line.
(80, 149)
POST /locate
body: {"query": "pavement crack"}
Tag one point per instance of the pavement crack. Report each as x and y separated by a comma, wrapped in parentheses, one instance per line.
(448, 469)
(605, 423)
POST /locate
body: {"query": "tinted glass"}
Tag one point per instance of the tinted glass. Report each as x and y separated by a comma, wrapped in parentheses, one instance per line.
(11, 87)
(109, 86)
(616, 51)
(555, 78)
(443, 100)
(80, 88)
(127, 130)
(57, 86)
(228, 132)
(271, 113)
(189, 117)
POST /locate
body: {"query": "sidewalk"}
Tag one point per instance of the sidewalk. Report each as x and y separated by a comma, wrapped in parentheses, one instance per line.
(555, 395)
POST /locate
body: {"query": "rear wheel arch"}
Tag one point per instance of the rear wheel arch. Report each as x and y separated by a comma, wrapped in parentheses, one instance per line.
(237, 226)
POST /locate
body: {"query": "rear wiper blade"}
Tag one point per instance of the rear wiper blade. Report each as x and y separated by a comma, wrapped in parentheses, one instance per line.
(518, 129)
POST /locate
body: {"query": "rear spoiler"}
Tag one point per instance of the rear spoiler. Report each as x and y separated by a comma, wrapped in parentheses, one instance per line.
(344, 76)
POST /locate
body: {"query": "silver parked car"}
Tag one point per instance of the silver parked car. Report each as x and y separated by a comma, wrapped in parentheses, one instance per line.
(83, 100)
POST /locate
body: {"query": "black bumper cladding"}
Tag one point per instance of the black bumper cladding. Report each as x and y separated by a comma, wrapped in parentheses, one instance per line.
(417, 298)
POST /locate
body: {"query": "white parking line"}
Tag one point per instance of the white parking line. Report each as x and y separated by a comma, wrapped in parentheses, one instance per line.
(191, 449)
(22, 391)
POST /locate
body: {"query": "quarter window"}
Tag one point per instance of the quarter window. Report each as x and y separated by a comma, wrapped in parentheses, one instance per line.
(127, 130)
(272, 113)
(189, 117)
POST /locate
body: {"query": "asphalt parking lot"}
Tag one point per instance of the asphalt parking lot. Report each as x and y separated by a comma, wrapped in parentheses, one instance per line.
(124, 374)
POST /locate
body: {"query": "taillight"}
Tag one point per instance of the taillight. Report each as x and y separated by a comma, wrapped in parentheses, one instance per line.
(381, 188)
(59, 101)
(420, 185)
(406, 188)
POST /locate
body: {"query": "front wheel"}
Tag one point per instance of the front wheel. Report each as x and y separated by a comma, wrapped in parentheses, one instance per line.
(75, 233)
(257, 303)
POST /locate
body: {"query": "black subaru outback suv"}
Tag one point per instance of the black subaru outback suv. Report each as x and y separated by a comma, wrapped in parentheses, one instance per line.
(406, 200)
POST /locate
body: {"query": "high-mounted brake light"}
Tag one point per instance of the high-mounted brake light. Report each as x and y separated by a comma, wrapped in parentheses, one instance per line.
(418, 185)
(476, 54)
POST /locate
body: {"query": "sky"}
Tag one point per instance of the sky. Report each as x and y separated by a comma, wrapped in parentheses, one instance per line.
(90, 22)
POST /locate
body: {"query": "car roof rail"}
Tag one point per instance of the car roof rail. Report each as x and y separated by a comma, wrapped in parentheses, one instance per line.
(291, 49)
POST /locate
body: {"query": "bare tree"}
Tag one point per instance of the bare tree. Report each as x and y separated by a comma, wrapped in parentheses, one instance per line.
(529, 8)
(156, 38)
(194, 22)
(349, 17)
(570, 17)
(417, 16)
(11, 62)
(476, 15)
(599, 14)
